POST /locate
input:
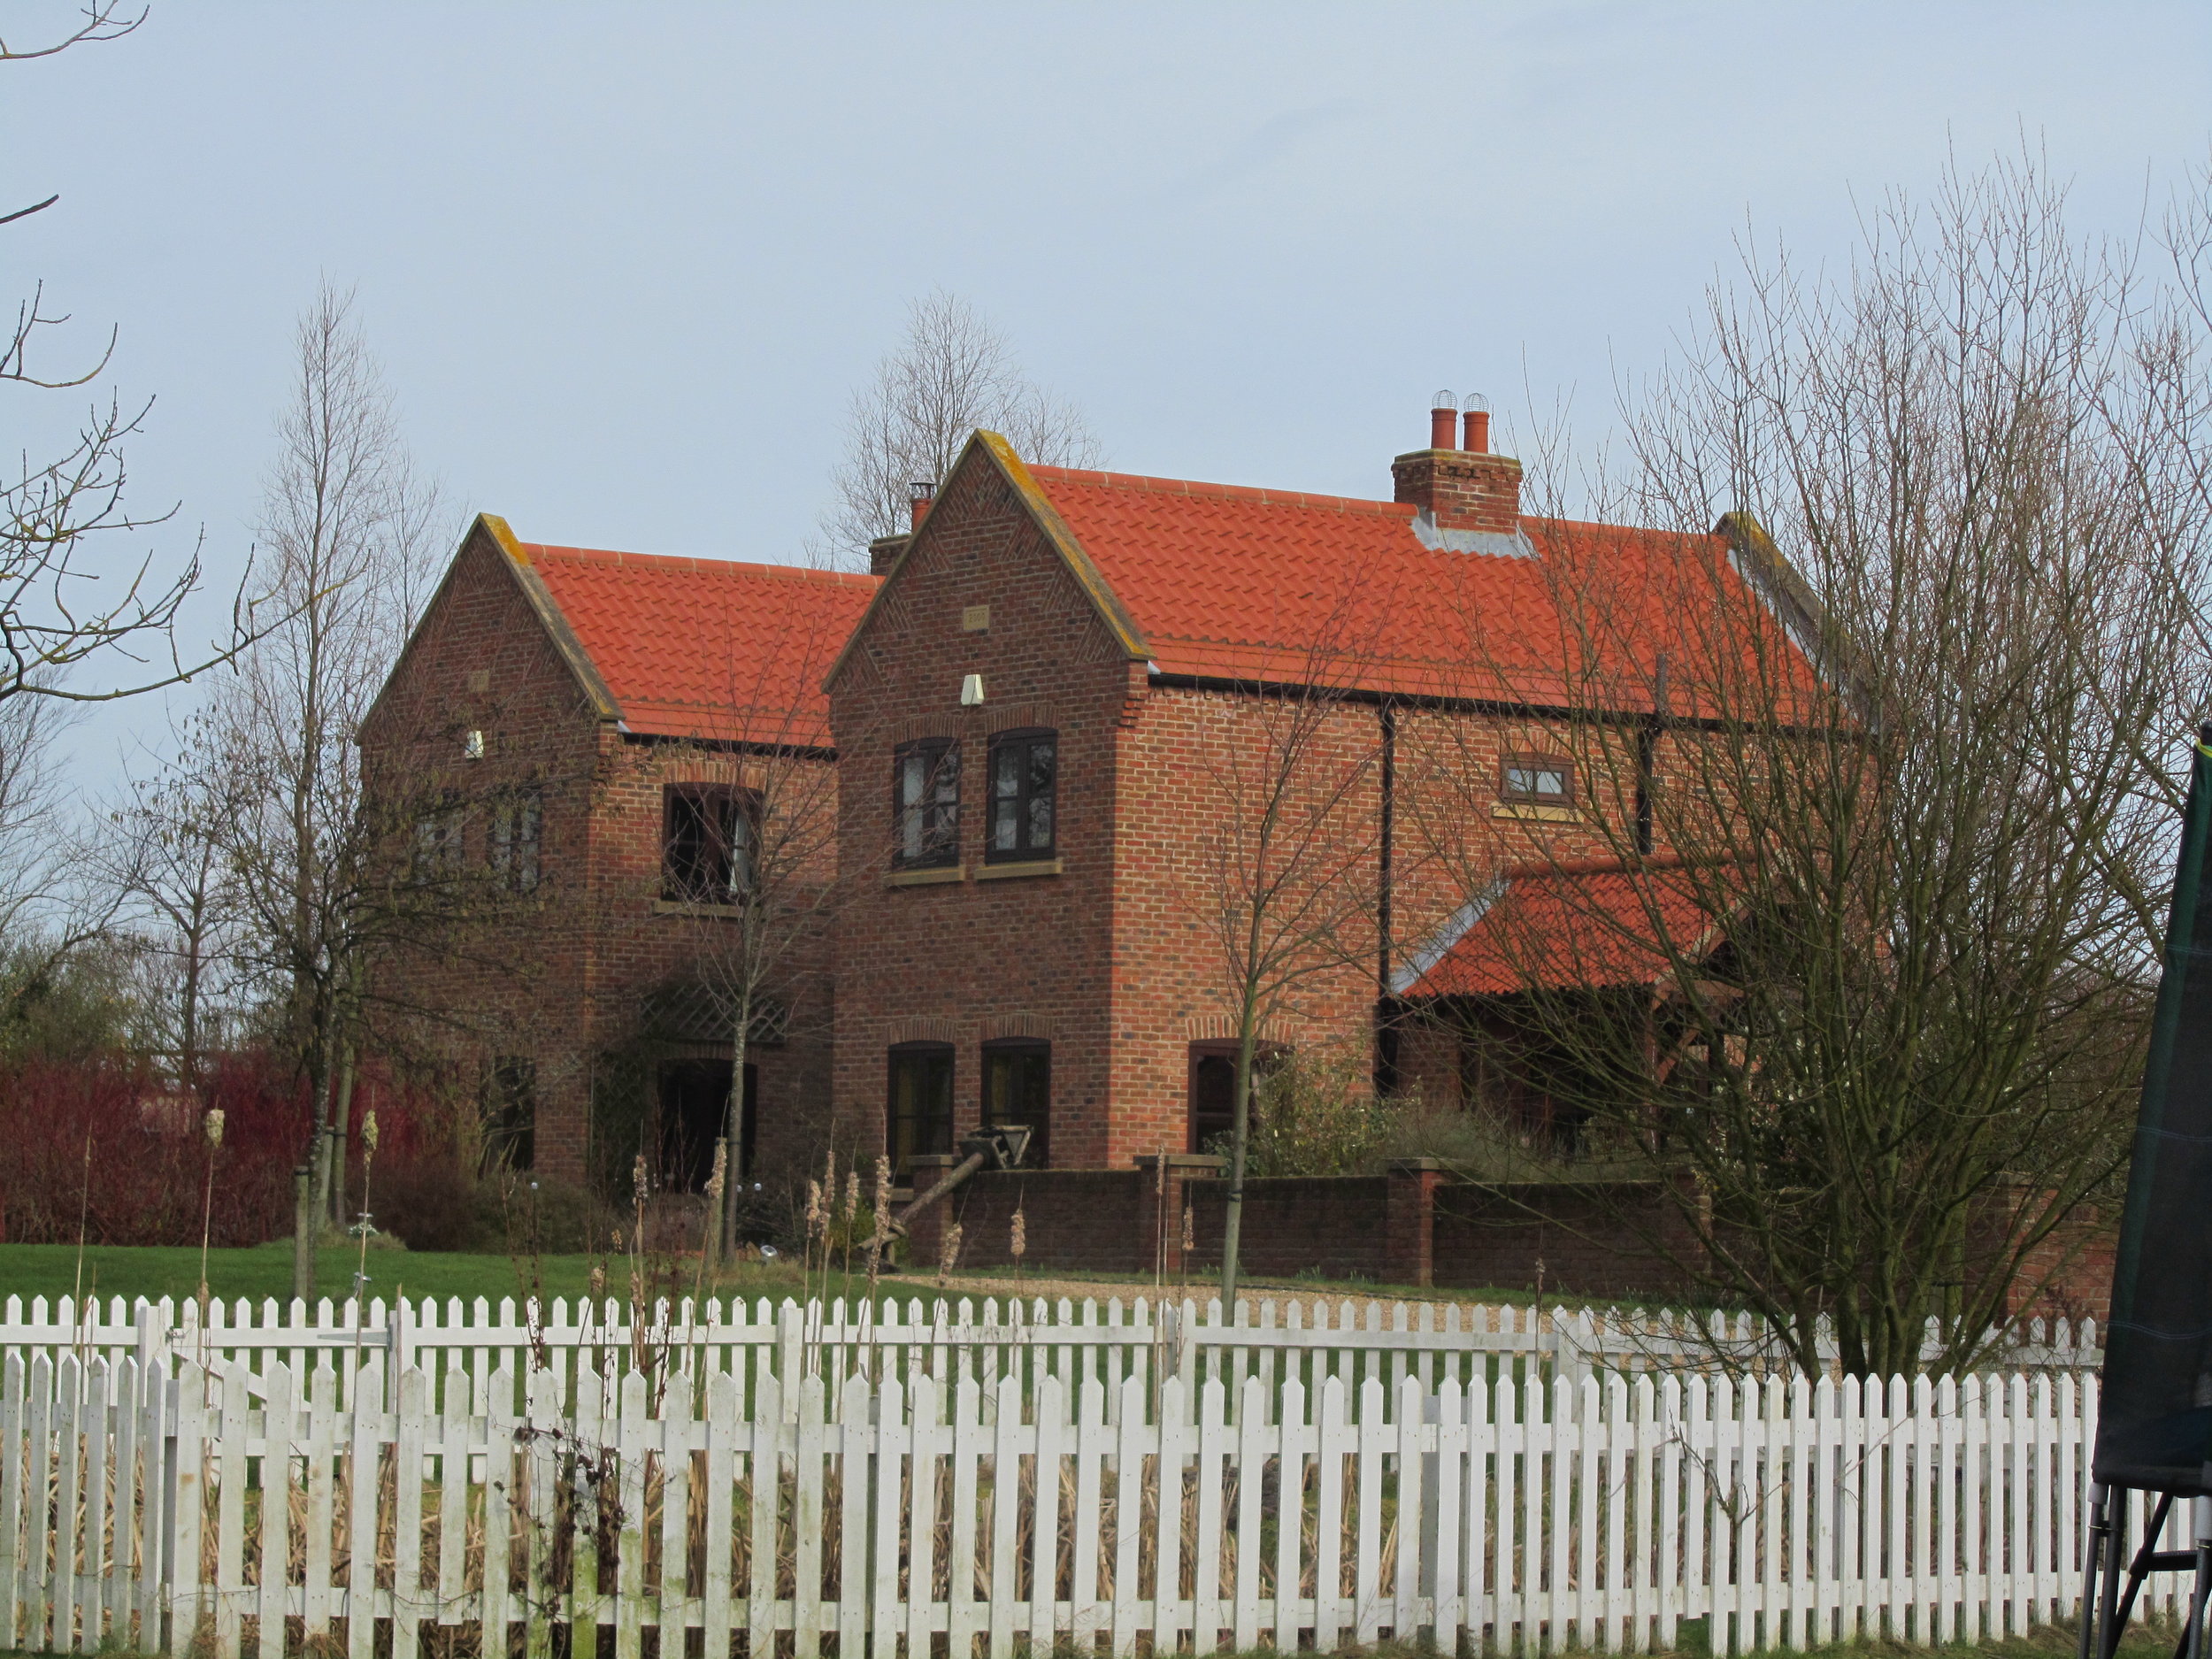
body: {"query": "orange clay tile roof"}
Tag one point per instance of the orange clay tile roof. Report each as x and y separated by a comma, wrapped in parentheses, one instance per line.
(707, 647)
(1250, 584)
(1558, 927)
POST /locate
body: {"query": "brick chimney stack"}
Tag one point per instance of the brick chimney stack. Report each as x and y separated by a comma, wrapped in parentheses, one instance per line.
(1461, 489)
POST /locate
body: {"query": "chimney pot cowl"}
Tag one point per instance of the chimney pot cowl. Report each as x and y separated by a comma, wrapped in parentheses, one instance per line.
(1443, 420)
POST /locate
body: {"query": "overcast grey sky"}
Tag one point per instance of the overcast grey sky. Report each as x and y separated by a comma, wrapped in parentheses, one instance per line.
(625, 264)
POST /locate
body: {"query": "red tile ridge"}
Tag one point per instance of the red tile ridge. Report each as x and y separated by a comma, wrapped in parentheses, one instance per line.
(1608, 865)
(1222, 492)
(1584, 527)
(679, 561)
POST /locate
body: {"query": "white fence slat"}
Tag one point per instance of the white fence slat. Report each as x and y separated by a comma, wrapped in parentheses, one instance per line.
(672, 1603)
(13, 1467)
(414, 1417)
(1004, 1409)
(230, 1513)
(807, 1517)
(501, 1507)
(273, 1531)
(722, 1436)
(453, 1495)
(630, 1445)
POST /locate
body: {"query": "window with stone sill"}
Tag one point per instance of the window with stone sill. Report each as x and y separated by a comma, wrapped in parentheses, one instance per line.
(514, 847)
(1537, 780)
(706, 843)
(1025, 780)
(926, 804)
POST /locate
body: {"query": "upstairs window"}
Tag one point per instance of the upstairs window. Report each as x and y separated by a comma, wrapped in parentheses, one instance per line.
(1024, 771)
(516, 823)
(706, 843)
(925, 781)
(437, 853)
(1537, 780)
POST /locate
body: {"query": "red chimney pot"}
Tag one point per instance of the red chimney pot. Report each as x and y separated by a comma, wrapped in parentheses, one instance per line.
(1443, 420)
(1478, 430)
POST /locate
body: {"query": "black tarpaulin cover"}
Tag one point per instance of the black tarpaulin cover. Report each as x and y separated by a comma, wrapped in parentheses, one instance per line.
(2155, 1427)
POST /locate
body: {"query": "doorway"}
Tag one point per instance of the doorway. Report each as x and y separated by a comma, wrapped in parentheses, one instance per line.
(695, 1096)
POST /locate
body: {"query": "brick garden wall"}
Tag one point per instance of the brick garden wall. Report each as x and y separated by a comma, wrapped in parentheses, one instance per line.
(1407, 1227)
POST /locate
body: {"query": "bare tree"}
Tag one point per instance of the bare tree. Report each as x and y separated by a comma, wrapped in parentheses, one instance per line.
(952, 373)
(1866, 975)
(164, 850)
(763, 954)
(59, 609)
(1285, 875)
(349, 533)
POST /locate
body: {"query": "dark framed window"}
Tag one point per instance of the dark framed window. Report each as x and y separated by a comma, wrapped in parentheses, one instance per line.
(1024, 769)
(1017, 1089)
(518, 824)
(1537, 780)
(706, 843)
(1213, 1089)
(510, 1115)
(437, 853)
(926, 801)
(920, 1104)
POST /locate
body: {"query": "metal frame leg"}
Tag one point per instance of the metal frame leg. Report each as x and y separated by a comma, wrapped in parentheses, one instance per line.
(2093, 1563)
(2201, 1516)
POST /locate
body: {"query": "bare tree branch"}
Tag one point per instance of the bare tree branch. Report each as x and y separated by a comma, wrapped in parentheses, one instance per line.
(952, 373)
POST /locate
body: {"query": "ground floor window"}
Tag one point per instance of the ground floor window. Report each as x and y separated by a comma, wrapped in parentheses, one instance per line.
(694, 1104)
(1213, 1090)
(920, 1108)
(510, 1115)
(1017, 1089)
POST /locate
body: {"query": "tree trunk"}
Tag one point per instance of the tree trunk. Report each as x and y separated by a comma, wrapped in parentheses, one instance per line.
(302, 1237)
(1241, 1124)
(733, 1127)
(334, 1153)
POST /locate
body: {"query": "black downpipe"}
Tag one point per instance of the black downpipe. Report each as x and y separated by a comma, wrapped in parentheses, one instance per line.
(1386, 1003)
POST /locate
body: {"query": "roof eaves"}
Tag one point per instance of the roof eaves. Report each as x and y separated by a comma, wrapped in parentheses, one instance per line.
(494, 529)
(550, 617)
(1087, 576)
(1799, 609)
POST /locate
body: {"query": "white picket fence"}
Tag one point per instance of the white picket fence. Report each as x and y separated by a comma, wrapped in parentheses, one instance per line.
(805, 1517)
(949, 1340)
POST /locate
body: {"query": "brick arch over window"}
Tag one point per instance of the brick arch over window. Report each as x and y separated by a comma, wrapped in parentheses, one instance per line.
(1013, 716)
(1222, 1028)
(1036, 1025)
(924, 727)
(925, 1030)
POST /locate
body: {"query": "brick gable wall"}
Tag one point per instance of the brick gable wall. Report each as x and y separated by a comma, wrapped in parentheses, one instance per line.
(515, 980)
(560, 977)
(980, 957)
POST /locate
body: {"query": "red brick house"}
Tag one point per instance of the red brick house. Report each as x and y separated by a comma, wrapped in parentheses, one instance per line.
(1030, 711)
(585, 733)
(1134, 629)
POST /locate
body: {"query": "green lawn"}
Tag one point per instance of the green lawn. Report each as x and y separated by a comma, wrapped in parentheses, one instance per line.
(264, 1270)
(53, 1269)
